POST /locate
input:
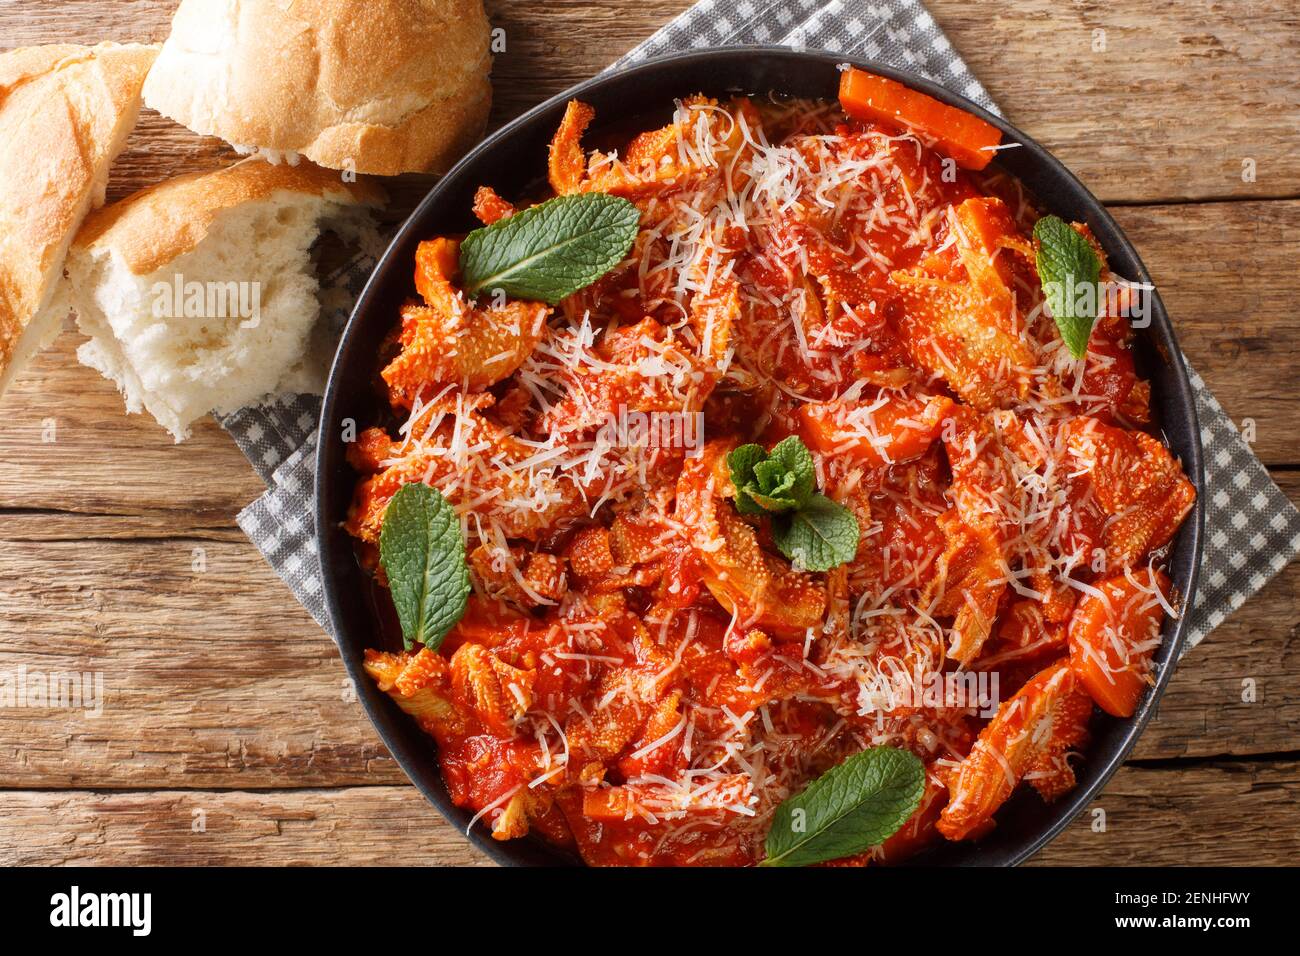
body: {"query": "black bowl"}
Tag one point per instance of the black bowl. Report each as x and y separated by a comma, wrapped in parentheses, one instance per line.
(513, 161)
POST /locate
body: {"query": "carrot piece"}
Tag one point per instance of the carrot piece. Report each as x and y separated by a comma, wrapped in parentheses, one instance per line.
(870, 433)
(875, 99)
(1111, 642)
(607, 805)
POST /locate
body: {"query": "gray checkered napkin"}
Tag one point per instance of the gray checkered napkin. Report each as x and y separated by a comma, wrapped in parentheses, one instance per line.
(1252, 530)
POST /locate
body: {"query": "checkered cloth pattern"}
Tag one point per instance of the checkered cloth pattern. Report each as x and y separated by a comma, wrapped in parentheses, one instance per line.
(1252, 529)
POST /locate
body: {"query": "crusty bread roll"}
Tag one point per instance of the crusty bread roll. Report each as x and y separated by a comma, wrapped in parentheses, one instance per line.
(65, 113)
(199, 294)
(374, 86)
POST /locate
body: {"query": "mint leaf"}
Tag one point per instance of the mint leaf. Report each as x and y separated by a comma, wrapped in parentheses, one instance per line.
(423, 554)
(848, 809)
(807, 527)
(773, 481)
(1069, 270)
(792, 455)
(551, 250)
(741, 464)
(781, 481)
(774, 503)
(819, 536)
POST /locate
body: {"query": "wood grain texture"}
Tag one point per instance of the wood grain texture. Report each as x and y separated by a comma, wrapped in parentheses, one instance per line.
(1224, 271)
(1151, 816)
(361, 826)
(1224, 813)
(210, 673)
(1181, 95)
(211, 678)
(67, 444)
(221, 694)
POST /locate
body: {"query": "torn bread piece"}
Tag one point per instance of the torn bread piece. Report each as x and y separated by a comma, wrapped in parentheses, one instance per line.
(370, 86)
(200, 294)
(65, 113)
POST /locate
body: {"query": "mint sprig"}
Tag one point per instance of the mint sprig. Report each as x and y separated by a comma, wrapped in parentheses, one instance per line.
(780, 481)
(808, 528)
(1069, 270)
(423, 555)
(819, 536)
(850, 808)
(741, 464)
(550, 251)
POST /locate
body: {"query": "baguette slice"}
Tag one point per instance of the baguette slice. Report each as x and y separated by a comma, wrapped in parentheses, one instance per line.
(369, 86)
(65, 114)
(200, 294)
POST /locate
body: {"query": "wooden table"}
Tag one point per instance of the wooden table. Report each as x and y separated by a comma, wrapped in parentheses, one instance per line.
(228, 733)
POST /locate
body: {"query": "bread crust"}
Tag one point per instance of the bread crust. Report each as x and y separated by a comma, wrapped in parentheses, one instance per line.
(65, 113)
(150, 228)
(376, 86)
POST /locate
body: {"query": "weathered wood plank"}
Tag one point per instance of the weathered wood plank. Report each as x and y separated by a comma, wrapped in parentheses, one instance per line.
(1225, 272)
(1228, 814)
(156, 526)
(1180, 97)
(213, 677)
(354, 827)
(1238, 809)
(67, 444)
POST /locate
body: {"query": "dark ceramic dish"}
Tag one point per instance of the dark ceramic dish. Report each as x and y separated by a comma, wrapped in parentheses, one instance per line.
(513, 161)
